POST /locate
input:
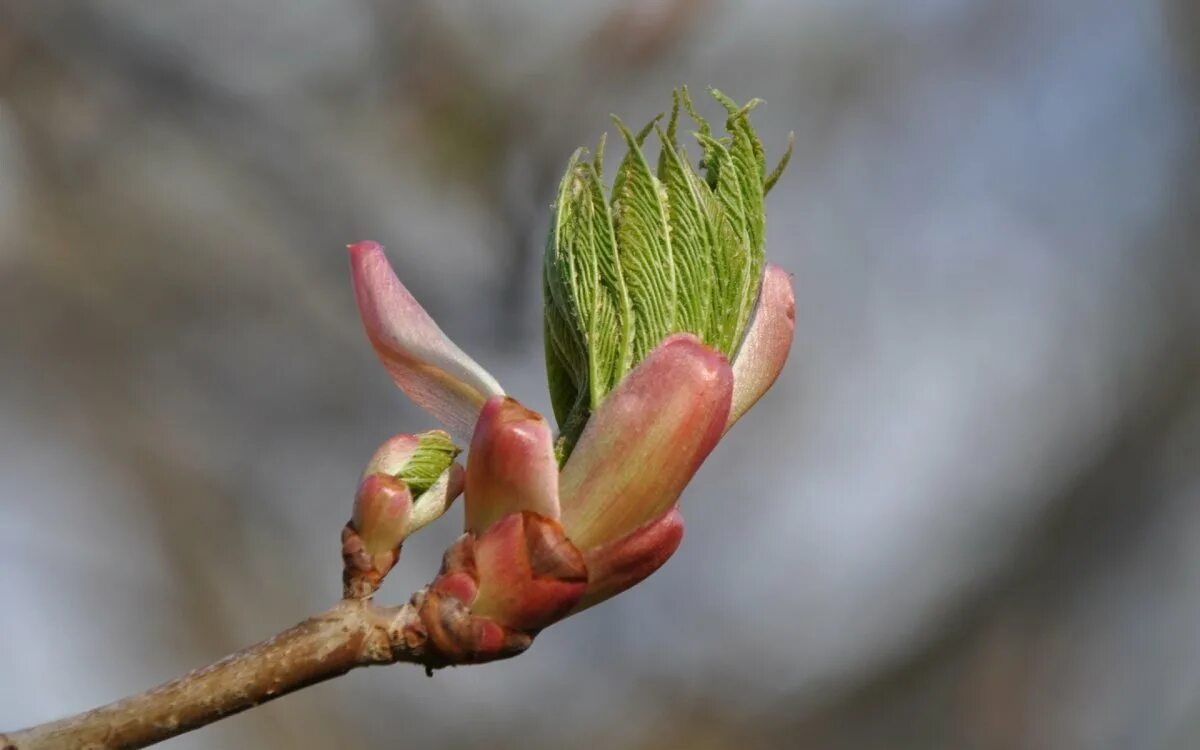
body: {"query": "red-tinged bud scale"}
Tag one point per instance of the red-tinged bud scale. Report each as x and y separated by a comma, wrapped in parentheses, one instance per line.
(371, 541)
(641, 448)
(512, 466)
(622, 563)
(529, 573)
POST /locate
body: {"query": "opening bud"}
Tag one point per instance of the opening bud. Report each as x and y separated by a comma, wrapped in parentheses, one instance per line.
(675, 249)
(409, 482)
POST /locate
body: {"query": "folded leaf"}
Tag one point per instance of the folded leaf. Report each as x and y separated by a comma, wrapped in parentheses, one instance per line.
(588, 325)
(691, 211)
(382, 508)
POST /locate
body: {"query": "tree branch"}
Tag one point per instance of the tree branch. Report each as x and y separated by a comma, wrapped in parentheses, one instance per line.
(434, 629)
(354, 633)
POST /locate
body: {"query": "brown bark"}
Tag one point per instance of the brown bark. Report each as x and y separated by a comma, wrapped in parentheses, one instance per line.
(434, 629)
(351, 634)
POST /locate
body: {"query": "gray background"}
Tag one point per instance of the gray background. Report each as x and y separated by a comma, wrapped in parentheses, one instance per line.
(967, 516)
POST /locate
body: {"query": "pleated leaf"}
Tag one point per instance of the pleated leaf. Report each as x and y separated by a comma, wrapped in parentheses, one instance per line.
(644, 247)
(746, 153)
(693, 234)
(673, 250)
(588, 325)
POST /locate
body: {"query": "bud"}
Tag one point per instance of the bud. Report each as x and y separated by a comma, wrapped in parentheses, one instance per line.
(668, 251)
(541, 544)
(663, 326)
(409, 482)
(425, 464)
(382, 510)
(512, 465)
(371, 540)
(498, 588)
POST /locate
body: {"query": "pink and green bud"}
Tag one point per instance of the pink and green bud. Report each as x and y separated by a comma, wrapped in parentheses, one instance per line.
(409, 482)
(425, 464)
(663, 326)
(616, 495)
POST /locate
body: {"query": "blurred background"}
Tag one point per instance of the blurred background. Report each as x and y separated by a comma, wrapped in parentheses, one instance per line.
(967, 516)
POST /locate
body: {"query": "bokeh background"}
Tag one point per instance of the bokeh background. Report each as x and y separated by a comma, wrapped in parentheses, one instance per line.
(967, 516)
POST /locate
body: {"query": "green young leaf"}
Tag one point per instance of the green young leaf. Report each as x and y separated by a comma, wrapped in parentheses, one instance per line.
(746, 152)
(644, 246)
(434, 454)
(588, 323)
(667, 251)
(566, 359)
(693, 231)
(777, 172)
(732, 255)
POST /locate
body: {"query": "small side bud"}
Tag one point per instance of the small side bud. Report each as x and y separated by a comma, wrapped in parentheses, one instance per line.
(417, 460)
(382, 509)
(409, 483)
(371, 541)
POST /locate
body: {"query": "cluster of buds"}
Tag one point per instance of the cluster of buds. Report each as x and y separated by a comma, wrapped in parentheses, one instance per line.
(664, 325)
